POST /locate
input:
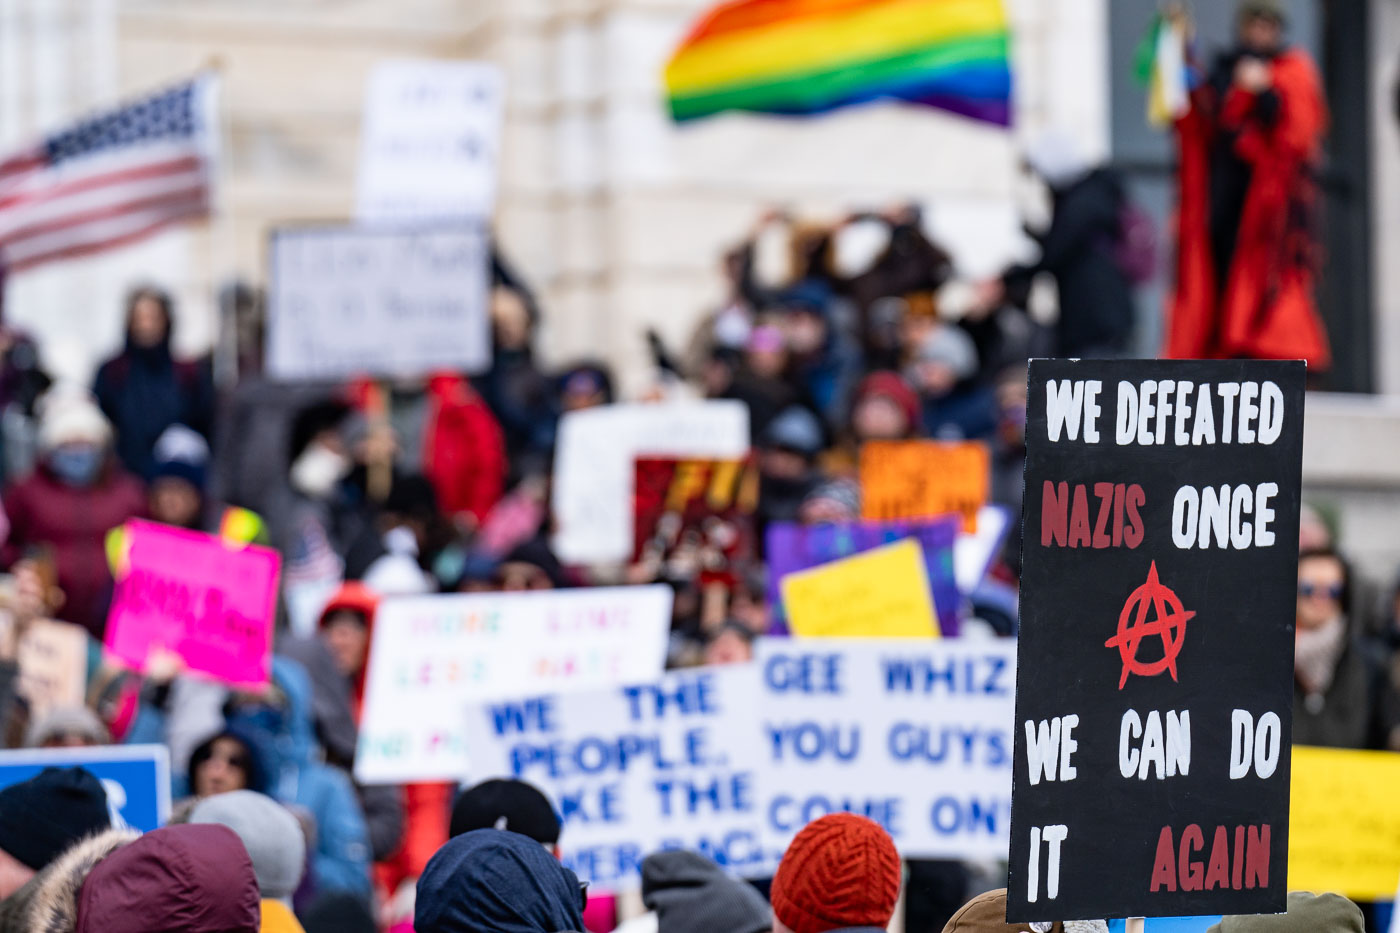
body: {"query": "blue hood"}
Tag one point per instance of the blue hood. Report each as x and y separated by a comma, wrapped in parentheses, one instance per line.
(493, 881)
(284, 740)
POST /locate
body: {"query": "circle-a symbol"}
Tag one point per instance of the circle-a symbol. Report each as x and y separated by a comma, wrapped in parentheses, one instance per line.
(1134, 625)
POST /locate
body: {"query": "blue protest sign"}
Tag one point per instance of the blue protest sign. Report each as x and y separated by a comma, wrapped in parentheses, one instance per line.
(1168, 924)
(136, 777)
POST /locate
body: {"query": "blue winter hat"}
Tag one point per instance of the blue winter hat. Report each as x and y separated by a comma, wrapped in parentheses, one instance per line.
(494, 881)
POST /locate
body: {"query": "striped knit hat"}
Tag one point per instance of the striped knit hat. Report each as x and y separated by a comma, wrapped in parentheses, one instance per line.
(841, 871)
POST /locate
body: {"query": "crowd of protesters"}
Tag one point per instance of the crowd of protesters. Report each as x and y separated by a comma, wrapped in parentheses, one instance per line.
(380, 489)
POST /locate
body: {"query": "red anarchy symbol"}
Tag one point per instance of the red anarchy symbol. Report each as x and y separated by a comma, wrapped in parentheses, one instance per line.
(1134, 626)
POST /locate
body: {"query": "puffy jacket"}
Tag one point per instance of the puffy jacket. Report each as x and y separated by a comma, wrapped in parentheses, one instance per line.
(74, 522)
(192, 878)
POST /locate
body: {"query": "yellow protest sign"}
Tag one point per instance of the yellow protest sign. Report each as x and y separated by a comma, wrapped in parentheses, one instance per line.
(881, 593)
(1344, 823)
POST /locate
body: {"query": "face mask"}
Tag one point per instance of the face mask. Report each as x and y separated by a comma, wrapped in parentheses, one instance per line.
(76, 464)
(317, 470)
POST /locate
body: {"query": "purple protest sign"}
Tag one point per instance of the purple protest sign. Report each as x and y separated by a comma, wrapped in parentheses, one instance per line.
(792, 547)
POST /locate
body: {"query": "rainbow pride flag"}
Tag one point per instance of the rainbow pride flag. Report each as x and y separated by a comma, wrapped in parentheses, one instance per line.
(811, 56)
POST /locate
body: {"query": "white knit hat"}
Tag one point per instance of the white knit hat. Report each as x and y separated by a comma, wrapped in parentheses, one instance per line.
(71, 417)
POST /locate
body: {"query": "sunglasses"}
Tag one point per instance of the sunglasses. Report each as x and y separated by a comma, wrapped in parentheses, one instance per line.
(1310, 590)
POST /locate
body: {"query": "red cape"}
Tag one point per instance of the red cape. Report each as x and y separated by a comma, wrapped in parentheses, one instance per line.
(1267, 310)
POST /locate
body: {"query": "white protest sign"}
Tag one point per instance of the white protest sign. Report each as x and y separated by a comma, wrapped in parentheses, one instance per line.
(637, 769)
(431, 656)
(593, 466)
(431, 141)
(349, 301)
(914, 735)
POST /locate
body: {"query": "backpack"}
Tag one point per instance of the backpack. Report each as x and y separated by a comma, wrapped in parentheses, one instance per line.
(1135, 248)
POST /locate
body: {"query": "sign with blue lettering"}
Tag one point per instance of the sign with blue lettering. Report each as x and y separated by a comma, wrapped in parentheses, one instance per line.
(136, 777)
(637, 769)
(914, 735)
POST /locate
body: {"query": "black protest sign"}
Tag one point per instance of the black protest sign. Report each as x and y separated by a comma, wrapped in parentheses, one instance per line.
(1154, 684)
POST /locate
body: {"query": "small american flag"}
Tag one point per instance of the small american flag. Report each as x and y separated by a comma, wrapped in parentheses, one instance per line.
(111, 179)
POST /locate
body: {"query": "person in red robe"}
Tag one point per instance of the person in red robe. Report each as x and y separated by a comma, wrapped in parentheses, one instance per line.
(1247, 250)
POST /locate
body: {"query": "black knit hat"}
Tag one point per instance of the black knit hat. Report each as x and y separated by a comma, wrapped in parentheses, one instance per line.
(42, 817)
(506, 804)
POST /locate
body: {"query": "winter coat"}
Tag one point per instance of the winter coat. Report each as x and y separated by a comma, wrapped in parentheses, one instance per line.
(197, 879)
(145, 390)
(1352, 708)
(74, 522)
(1262, 305)
(463, 451)
(1077, 249)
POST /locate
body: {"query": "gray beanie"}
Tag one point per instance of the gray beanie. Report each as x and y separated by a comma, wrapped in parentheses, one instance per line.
(66, 721)
(691, 894)
(270, 833)
(951, 346)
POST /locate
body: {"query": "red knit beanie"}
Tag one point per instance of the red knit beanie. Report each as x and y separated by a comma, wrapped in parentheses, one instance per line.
(841, 871)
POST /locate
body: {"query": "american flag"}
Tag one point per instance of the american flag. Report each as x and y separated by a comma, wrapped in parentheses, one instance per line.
(111, 179)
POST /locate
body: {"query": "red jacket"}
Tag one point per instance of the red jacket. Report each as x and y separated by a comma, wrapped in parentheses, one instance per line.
(1266, 310)
(74, 522)
(463, 451)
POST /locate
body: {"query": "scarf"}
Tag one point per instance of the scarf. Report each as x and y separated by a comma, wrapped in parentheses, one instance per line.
(1316, 652)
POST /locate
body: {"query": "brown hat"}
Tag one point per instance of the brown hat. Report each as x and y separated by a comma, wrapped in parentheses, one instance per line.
(986, 913)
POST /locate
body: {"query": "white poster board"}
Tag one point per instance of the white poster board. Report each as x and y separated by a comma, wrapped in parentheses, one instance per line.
(432, 656)
(915, 735)
(634, 770)
(358, 301)
(430, 142)
(594, 464)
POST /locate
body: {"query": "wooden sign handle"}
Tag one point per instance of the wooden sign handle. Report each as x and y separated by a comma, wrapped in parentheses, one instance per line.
(1134, 925)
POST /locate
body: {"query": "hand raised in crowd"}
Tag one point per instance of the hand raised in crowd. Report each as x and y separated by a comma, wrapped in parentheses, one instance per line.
(163, 666)
(1252, 74)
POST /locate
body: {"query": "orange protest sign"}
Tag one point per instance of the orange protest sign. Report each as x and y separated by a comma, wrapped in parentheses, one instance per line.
(921, 479)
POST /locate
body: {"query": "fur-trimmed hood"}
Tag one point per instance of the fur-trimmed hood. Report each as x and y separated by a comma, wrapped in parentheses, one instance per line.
(49, 902)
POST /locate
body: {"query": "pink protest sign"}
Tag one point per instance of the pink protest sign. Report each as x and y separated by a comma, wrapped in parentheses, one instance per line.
(211, 603)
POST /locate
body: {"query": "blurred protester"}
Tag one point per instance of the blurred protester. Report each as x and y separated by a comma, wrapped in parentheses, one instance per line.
(954, 404)
(585, 385)
(275, 845)
(40, 819)
(442, 429)
(1339, 692)
(1307, 913)
(759, 381)
(688, 893)
(23, 382)
(823, 361)
(787, 454)
(836, 500)
(144, 390)
(496, 881)
(338, 913)
(885, 408)
(77, 494)
(224, 763)
(731, 643)
(195, 879)
(515, 388)
(1247, 202)
(178, 492)
(404, 836)
(1080, 249)
(841, 872)
(1315, 531)
(530, 566)
(510, 804)
(67, 727)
